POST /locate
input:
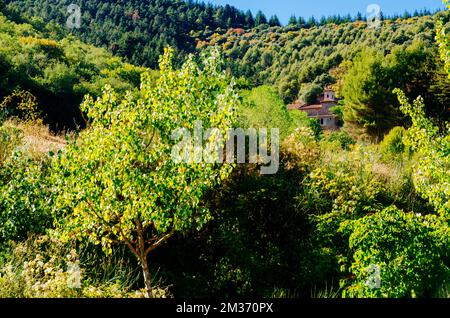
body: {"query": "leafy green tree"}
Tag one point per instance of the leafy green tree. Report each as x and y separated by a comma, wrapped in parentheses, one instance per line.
(310, 92)
(371, 106)
(264, 108)
(431, 177)
(366, 97)
(443, 40)
(119, 179)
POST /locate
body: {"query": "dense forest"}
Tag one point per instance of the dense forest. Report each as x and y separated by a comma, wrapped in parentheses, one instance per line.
(139, 30)
(92, 203)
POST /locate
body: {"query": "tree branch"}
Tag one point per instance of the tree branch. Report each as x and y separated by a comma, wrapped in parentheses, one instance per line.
(159, 242)
(128, 243)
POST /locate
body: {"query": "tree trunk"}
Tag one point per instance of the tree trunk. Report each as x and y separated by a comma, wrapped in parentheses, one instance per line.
(147, 278)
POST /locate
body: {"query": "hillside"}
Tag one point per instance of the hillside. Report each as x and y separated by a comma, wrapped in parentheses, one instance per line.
(55, 75)
(295, 59)
(138, 29)
(259, 49)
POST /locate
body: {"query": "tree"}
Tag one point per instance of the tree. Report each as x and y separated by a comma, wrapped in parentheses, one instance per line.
(311, 22)
(367, 88)
(443, 40)
(120, 180)
(249, 20)
(406, 15)
(301, 21)
(260, 18)
(264, 108)
(274, 21)
(292, 20)
(359, 16)
(369, 105)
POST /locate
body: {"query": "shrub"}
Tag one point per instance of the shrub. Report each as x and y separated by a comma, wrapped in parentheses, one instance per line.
(21, 104)
(26, 197)
(392, 143)
(431, 172)
(347, 186)
(411, 252)
(341, 137)
(10, 138)
(300, 151)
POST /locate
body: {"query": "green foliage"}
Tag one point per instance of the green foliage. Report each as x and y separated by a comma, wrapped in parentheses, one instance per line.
(341, 137)
(348, 185)
(392, 143)
(49, 78)
(431, 177)
(120, 181)
(305, 54)
(332, 212)
(443, 40)
(410, 251)
(256, 241)
(10, 139)
(138, 30)
(310, 92)
(314, 125)
(262, 107)
(21, 104)
(371, 106)
(26, 198)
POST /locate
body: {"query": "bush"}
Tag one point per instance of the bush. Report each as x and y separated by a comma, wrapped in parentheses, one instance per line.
(10, 138)
(26, 197)
(341, 137)
(300, 151)
(346, 186)
(392, 143)
(411, 252)
(21, 104)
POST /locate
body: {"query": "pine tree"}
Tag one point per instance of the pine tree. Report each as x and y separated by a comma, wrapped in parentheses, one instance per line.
(359, 17)
(260, 18)
(274, 21)
(249, 20)
(311, 22)
(292, 20)
(301, 21)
